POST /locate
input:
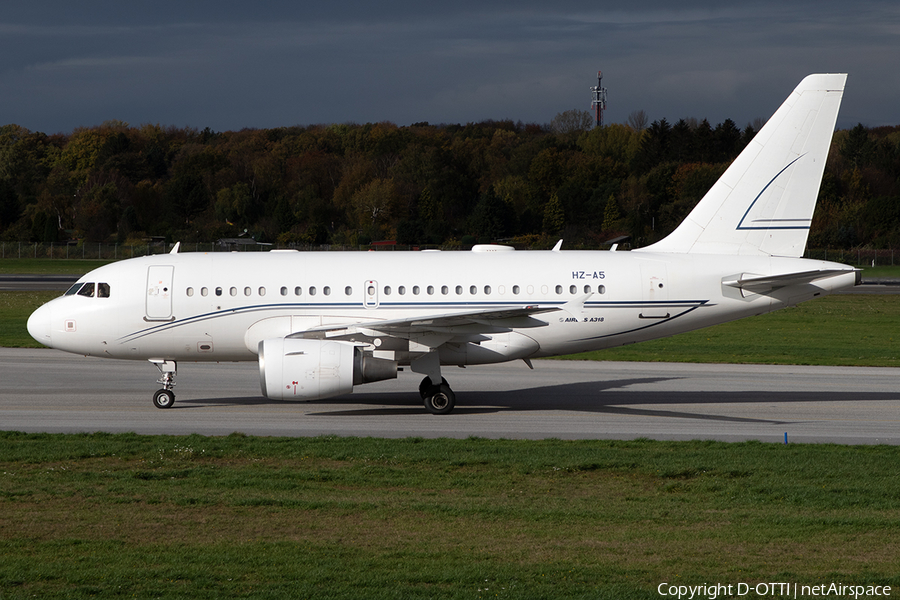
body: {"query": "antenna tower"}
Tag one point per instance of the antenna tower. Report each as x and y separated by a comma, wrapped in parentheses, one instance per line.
(598, 99)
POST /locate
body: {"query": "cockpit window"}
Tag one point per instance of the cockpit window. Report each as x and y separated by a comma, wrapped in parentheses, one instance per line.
(87, 290)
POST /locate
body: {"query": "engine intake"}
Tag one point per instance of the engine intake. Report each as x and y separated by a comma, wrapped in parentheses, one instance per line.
(300, 369)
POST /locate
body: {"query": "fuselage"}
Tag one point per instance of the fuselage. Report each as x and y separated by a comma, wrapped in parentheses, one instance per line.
(219, 306)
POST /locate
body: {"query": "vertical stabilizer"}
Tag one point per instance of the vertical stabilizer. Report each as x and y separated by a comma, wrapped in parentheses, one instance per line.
(763, 204)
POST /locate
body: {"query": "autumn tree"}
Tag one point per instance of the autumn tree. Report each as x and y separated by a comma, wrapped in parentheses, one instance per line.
(571, 122)
(637, 120)
(424, 183)
(554, 218)
(373, 204)
(491, 219)
(611, 214)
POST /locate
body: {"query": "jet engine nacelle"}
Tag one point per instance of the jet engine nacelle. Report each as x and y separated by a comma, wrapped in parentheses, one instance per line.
(300, 369)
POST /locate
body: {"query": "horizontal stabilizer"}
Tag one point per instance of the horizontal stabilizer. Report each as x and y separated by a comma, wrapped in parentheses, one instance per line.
(763, 283)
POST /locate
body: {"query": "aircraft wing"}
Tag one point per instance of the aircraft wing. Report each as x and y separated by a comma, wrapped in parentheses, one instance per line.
(764, 283)
(468, 323)
(487, 317)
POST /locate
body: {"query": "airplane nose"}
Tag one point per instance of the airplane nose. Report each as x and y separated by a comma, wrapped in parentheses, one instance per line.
(39, 325)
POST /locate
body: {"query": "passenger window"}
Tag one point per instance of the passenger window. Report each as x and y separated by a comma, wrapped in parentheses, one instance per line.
(559, 289)
(87, 290)
(298, 291)
(283, 291)
(312, 290)
(601, 289)
(487, 289)
(262, 291)
(190, 292)
(430, 290)
(233, 291)
(326, 290)
(473, 290)
(218, 291)
(415, 290)
(515, 289)
(204, 291)
(371, 290)
(573, 289)
(348, 291)
(103, 290)
(459, 290)
(401, 290)
(247, 291)
(387, 290)
(445, 290)
(587, 289)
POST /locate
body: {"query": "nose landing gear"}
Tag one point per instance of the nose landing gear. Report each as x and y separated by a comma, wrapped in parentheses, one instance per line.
(165, 397)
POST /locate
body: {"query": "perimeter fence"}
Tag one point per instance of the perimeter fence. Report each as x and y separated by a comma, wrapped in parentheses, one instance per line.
(857, 257)
(860, 257)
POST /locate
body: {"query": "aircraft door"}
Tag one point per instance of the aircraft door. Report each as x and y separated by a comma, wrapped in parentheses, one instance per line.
(654, 290)
(370, 294)
(159, 292)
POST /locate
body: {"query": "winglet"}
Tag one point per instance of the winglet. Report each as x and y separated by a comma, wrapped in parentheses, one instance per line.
(575, 306)
(175, 248)
(557, 247)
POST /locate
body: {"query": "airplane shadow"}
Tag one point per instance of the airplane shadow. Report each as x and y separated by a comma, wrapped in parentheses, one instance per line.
(606, 396)
(536, 396)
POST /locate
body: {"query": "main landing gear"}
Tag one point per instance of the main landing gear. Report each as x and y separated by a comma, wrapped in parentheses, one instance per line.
(439, 399)
(165, 397)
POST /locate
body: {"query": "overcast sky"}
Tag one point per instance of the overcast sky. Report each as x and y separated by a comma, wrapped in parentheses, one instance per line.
(230, 65)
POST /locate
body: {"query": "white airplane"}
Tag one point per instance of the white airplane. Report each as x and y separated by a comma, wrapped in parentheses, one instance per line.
(320, 323)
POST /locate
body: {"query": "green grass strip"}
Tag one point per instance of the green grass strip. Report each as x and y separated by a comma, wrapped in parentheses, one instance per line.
(46, 266)
(197, 517)
(14, 310)
(852, 330)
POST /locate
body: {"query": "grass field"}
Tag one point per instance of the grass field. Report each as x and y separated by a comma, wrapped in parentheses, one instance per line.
(193, 517)
(886, 272)
(14, 310)
(856, 330)
(45, 266)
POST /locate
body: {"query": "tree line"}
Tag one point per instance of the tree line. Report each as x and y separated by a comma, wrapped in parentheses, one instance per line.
(423, 184)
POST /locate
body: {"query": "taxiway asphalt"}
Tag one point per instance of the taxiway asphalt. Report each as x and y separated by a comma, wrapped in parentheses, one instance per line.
(51, 391)
(36, 283)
